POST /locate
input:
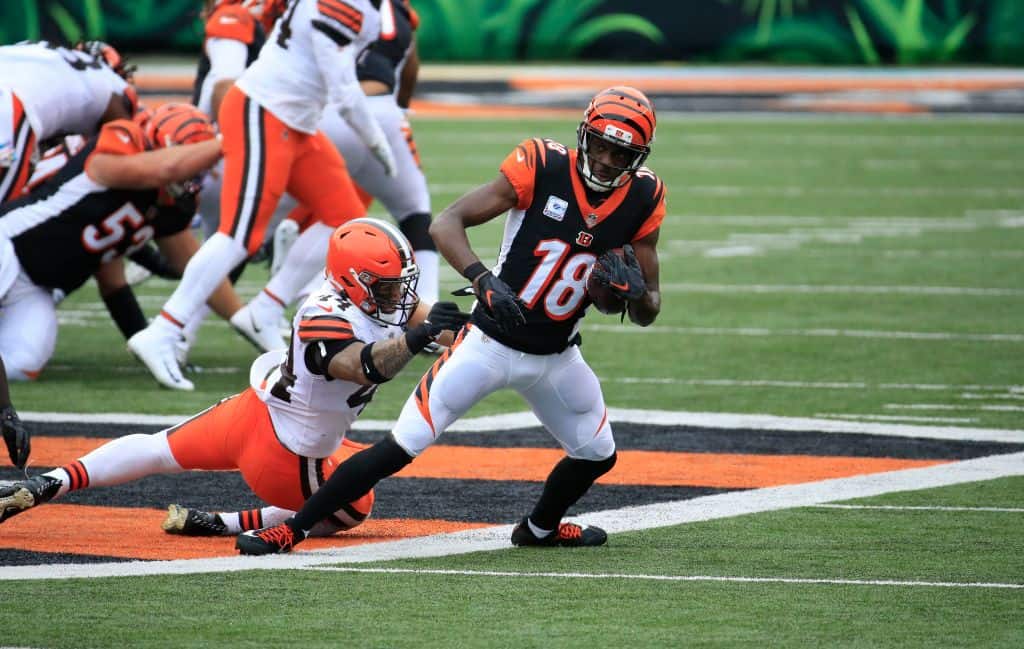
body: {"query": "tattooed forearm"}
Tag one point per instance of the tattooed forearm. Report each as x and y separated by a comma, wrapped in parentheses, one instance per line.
(391, 356)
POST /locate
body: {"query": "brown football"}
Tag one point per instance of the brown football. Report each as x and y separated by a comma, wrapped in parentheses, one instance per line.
(605, 299)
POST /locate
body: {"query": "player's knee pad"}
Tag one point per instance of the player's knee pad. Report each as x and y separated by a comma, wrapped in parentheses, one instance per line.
(416, 228)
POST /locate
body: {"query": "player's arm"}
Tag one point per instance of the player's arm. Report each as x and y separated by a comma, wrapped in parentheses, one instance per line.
(152, 169)
(478, 206)
(179, 248)
(119, 298)
(227, 63)
(16, 436)
(644, 310)
(409, 76)
(335, 56)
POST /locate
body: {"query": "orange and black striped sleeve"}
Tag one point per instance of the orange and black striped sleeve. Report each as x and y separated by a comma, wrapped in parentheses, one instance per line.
(520, 168)
(324, 327)
(338, 20)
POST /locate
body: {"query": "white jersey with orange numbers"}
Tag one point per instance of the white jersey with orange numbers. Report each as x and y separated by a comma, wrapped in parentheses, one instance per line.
(312, 413)
(314, 40)
(63, 90)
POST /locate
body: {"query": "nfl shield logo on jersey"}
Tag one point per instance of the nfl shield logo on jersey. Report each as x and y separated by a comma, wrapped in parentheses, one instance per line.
(555, 208)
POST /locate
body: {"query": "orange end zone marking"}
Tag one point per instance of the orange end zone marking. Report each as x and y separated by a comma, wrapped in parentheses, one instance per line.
(136, 534)
(652, 468)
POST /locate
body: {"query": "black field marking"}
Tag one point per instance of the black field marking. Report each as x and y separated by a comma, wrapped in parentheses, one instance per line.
(484, 501)
(27, 558)
(659, 438)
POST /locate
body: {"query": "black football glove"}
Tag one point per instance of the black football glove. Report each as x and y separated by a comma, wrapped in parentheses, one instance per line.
(16, 437)
(621, 274)
(444, 316)
(504, 306)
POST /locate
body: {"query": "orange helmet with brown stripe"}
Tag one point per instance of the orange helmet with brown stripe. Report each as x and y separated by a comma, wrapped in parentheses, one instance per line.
(371, 262)
(623, 117)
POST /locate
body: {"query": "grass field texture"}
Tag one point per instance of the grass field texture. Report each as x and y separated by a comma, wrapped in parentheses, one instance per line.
(859, 270)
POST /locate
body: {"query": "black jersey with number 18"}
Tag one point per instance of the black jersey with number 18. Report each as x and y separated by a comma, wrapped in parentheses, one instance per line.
(554, 235)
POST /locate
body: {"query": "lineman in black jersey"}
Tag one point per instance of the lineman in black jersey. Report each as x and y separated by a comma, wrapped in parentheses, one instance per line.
(123, 188)
(566, 209)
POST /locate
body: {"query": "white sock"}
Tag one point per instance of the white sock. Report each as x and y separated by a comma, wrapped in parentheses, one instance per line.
(207, 268)
(304, 260)
(191, 329)
(64, 478)
(427, 288)
(538, 532)
(129, 458)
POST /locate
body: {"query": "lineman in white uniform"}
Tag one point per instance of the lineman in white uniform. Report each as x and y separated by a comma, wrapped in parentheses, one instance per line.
(48, 90)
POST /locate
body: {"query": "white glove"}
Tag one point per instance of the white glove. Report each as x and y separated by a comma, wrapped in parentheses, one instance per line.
(382, 151)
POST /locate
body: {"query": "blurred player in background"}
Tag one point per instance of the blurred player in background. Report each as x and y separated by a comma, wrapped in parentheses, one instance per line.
(269, 123)
(566, 209)
(47, 90)
(84, 212)
(387, 73)
(285, 432)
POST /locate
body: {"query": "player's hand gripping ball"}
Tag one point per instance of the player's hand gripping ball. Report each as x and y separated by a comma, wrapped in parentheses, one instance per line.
(615, 279)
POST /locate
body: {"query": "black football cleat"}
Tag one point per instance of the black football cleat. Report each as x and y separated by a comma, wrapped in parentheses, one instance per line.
(568, 535)
(278, 539)
(16, 497)
(193, 522)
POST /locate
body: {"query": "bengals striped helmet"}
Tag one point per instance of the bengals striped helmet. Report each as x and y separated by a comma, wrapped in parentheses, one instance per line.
(371, 263)
(174, 124)
(622, 117)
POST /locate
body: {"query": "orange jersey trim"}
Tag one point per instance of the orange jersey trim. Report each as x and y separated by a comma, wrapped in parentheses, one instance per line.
(606, 208)
(342, 12)
(520, 168)
(324, 329)
(120, 137)
(654, 221)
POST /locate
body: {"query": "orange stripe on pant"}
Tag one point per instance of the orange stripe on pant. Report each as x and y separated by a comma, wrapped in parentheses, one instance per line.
(263, 158)
(237, 434)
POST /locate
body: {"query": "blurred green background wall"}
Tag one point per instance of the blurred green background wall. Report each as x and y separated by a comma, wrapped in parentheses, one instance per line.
(780, 31)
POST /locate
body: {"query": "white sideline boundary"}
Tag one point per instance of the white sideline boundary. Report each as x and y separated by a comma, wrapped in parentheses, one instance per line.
(618, 520)
(711, 420)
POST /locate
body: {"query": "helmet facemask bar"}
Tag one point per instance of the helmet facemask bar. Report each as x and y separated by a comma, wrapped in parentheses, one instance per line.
(390, 300)
(584, 135)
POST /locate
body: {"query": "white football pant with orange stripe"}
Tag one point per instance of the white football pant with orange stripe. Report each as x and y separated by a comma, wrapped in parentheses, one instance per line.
(561, 389)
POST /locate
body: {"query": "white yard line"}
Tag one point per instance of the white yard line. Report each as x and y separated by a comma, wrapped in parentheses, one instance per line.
(807, 333)
(712, 420)
(618, 520)
(926, 508)
(683, 578)
(898, 418)
(697, 287)
(951, 406)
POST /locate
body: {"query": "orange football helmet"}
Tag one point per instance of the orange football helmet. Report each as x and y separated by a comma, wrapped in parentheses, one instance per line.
(173, 124)
(624, 117)
(371, 262)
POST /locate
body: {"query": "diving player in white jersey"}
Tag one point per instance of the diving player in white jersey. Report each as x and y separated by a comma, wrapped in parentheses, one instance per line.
(285, 433)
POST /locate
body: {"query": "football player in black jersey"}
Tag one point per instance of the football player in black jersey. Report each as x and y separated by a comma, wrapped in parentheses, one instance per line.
(127, 185)
(566, 209)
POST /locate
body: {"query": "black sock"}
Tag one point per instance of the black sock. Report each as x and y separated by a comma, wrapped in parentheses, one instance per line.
(351, 480)
(566, 483)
